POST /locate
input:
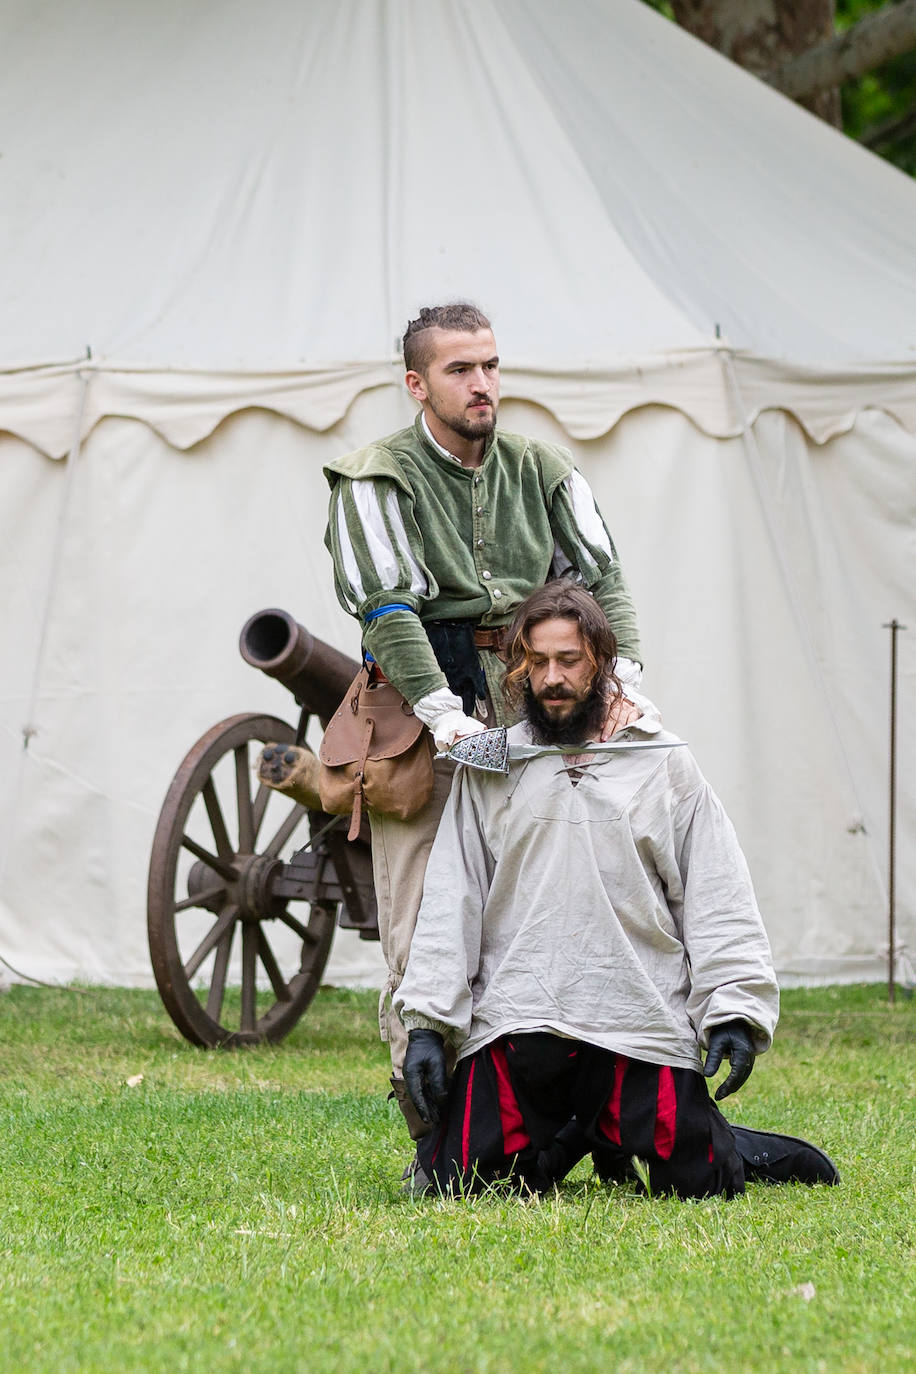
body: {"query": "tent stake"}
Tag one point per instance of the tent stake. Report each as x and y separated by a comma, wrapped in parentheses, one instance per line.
(894, 626)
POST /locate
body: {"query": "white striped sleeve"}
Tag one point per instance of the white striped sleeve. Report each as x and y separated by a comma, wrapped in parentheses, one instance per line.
(585, 514)
(371, 545)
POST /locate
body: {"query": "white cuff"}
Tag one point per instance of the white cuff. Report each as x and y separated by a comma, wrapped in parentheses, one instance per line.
(628, 673)
(435, 704)
(651, 716)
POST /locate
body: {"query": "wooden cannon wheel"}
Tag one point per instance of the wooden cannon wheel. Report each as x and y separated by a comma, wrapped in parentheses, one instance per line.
(214, 919)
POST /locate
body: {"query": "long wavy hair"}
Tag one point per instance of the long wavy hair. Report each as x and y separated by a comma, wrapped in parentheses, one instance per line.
(565, 601)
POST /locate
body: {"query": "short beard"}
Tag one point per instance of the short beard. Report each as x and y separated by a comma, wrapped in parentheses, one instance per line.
(584, 722)
(475, 429)
(468, 429)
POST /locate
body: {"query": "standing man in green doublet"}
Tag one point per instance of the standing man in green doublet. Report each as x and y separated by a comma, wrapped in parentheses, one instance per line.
(438, 533)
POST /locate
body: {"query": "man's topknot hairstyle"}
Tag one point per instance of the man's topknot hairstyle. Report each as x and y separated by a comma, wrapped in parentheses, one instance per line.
(418, 339)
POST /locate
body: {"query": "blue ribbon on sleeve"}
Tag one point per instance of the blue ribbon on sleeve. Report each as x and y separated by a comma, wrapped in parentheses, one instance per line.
(386, 610)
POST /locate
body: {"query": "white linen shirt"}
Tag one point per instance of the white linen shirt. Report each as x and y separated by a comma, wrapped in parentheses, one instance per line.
(617, 910)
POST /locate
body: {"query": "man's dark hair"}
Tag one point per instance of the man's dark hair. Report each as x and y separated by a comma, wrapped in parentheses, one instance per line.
(418, 343)
(565, 601)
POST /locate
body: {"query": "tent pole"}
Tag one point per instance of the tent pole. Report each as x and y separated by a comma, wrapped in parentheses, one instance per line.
(894, 626)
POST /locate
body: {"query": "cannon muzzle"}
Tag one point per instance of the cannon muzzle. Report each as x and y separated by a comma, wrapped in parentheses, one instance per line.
(316, 674)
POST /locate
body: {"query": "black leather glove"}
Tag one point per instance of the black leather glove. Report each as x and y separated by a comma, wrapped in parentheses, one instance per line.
(425, 1073)
(732, 1041)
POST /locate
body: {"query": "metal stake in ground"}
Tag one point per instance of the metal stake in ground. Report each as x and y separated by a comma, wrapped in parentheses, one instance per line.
(894, 626)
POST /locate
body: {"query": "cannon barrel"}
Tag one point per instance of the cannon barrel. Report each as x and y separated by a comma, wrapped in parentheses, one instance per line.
(316, 674)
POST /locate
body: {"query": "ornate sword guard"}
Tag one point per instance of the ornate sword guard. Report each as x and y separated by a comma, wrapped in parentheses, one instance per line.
(489, 750)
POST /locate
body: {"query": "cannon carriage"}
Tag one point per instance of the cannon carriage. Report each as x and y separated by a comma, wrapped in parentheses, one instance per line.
(246, 885)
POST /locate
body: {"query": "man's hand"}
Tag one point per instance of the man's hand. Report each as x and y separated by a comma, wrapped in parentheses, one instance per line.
(425, 1073)
(622, 713)
(732, 1041)
(453, 726)
(443, 714)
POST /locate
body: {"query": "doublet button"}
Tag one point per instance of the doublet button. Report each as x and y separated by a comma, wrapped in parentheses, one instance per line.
(487, 576)
(497, 593)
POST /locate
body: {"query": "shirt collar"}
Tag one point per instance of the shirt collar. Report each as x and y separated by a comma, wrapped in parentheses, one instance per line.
(435, 443)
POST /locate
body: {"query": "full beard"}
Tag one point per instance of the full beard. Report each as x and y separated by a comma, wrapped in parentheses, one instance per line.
(583, 723)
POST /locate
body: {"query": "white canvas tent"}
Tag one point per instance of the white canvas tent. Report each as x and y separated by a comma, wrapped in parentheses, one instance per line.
(214, 222)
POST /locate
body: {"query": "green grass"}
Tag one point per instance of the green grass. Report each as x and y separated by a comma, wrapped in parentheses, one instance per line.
(242, 1211)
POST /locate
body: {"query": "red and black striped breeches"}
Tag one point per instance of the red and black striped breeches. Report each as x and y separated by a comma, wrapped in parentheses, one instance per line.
(527, 1106)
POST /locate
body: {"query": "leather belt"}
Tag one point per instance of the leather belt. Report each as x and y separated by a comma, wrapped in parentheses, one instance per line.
(494, 638)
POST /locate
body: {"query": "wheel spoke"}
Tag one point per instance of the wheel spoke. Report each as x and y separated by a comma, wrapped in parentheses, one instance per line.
(249, 976)
(263, 796)
(286, 830)
(302, 931)
(225, 870)
(277, 982)
(220, 969)
(212, 937)
(243, 794)
(217, 824)
(201, 898)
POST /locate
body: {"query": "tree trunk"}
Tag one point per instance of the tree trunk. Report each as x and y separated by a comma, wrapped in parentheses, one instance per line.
(763, 35)
(874, 39)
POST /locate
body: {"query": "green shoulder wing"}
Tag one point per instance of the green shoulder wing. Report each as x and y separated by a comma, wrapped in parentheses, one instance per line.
(375, 460)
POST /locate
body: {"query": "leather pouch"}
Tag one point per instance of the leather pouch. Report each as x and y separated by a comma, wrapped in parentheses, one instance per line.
(374, 752)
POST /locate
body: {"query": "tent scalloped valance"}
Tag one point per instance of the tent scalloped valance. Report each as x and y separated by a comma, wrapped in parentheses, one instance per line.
(715, 388)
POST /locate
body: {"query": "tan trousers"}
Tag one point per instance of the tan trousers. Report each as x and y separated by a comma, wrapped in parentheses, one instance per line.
(400, 850)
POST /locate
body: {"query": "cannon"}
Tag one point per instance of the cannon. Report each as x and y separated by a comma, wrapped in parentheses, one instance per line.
(246, 886)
